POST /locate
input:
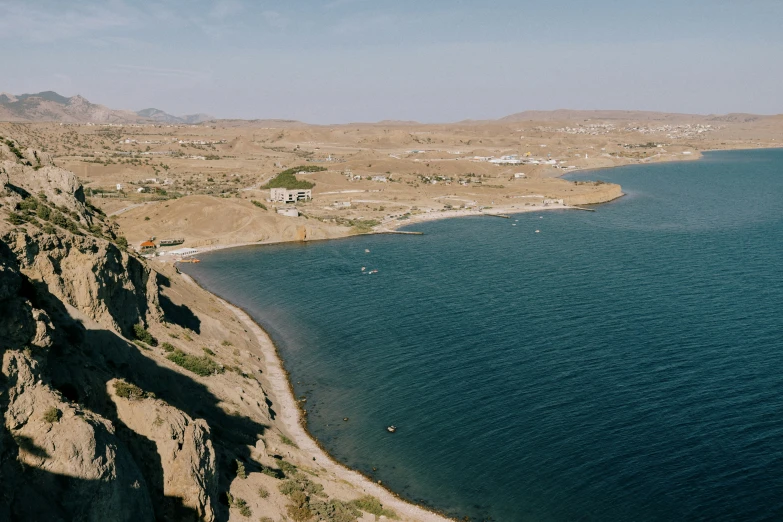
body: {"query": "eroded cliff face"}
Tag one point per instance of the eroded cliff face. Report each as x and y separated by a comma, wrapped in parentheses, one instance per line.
(70, 447)
(90, 274)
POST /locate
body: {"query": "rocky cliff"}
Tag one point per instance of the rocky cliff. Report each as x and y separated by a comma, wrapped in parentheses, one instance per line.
(71, 446)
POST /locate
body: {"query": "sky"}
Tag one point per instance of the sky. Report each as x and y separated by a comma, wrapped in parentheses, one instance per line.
(340, 61)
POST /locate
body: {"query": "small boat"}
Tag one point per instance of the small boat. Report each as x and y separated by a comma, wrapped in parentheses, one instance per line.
(366, 250)
(537, 231)
(364, 268)
(373, 271)
(391, 429)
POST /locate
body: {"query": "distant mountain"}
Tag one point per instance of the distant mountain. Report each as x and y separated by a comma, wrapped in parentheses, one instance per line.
(50, 106)
(164, 117)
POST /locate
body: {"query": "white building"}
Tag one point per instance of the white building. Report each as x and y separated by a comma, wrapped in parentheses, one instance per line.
(290, 196)
(119, 187)
(182, 252)
(290, 212)
(382, 179)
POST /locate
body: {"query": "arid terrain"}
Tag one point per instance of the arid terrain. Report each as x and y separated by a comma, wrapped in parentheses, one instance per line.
(132, 394)
(198, 182)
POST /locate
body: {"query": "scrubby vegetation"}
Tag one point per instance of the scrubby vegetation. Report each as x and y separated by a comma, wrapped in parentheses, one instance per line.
(11, 145)
(129, 391)
(288, 180)
(240, 504)
(286, 440)
(168, 347)
(309, 502)
(258, 204)
(143, 335)
(373, 506)
(52, 415)
(363, 225)
(31, 208)
(241, 472)
(202, 366)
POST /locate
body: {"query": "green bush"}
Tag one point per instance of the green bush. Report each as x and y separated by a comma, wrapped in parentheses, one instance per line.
(14, 150)
(335, 511)
(202, 366)
(258, 204)
(241, 472)
(262, 492)
(143, 335)
(287, 179)
(44, 212)
(287, 441)
(287, 468)
(128, 391)
(16, 219)
(372, 505)
(167, 347)
(272, 472)
(52, 415)
(208, 351)
(122, 242)
(58, 219)
(240, 504)
(28, 203)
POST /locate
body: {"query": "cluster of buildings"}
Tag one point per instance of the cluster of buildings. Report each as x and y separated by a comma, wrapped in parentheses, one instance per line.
(593, 129)
(688, 130)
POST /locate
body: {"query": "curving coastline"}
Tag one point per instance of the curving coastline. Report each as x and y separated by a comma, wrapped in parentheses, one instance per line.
(291, 418)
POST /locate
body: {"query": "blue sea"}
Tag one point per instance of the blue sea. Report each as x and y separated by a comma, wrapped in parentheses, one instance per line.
(623, 364)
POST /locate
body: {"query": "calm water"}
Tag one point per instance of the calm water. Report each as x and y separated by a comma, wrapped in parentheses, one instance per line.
(624, 364)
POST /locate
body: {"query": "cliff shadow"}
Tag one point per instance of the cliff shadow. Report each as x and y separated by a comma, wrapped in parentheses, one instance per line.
(83, 360)
(179, 314)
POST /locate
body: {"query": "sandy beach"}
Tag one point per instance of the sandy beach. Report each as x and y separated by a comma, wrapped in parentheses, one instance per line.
(291, 419)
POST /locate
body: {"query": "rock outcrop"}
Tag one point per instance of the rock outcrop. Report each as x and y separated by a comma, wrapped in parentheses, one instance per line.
(69, 463)
(94, 276)
(70, 448)
(184, 449)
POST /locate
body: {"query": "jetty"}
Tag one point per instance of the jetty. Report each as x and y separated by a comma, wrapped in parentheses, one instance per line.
(504, 216)
(585, 209)
(401, 232)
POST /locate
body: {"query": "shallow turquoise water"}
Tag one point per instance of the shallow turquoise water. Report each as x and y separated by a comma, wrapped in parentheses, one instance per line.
(625, 364)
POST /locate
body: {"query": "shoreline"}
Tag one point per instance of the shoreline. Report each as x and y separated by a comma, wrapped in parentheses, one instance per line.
(389, 227)
(291, 418)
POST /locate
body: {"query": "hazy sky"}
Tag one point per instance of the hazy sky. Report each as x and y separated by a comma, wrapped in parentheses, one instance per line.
(367, 60)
